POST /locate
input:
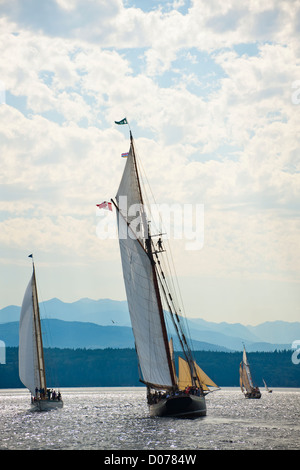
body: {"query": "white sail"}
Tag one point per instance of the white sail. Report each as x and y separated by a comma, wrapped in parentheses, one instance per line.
(247, 368)
(130, 199)
(28, 360)
(266, 386)
(31, 354)
(138, 273)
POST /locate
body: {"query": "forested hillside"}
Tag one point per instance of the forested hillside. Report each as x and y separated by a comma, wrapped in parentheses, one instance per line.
(118, 367)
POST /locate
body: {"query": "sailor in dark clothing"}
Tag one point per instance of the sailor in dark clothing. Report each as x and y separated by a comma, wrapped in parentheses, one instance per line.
(159, 244)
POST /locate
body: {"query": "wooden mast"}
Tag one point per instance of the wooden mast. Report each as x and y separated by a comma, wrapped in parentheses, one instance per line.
(156, 288)
(153, 264)
(38, 334)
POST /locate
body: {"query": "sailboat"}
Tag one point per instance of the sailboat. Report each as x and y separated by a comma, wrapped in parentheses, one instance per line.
(147, 291)
(266, 387)
(246, 381)
(31, 354)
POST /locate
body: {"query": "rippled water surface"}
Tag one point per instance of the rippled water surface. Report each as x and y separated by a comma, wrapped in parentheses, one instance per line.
(118, 419)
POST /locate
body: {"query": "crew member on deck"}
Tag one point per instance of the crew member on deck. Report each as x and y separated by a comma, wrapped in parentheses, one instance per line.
(159, 244)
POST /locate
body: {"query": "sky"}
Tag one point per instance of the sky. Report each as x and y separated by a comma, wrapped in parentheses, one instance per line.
(211, 91)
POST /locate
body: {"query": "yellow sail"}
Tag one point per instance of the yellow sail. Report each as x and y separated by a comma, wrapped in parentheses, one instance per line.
(244, 379)
(241, 378)
(172, 356)
(245, 375)
(204, 379)
(184, 376)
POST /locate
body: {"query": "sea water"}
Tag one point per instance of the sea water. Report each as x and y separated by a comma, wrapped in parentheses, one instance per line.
(117, 419)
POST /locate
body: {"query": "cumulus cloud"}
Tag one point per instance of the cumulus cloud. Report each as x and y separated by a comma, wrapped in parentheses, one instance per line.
(225, 137)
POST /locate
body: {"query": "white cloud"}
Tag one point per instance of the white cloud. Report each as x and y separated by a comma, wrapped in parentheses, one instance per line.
(233, 147)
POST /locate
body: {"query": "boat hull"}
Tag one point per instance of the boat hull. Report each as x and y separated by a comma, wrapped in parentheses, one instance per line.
(189, 406)
(46, 405)
(253, 395)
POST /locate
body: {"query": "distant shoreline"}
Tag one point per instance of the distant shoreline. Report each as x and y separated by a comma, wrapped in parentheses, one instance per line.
(119, 368)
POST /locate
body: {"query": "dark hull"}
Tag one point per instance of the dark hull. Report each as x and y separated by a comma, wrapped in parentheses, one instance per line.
(254, 395)
(46, 405)
(189, 406)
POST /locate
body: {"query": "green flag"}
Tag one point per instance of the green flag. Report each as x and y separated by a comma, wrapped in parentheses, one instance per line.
(124, 121)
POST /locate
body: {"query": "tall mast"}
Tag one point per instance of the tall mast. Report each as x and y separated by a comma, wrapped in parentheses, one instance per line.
(38, 333)
(177, 324)
(148, 249)
(157, 291)
(136, 170)
(163, 325)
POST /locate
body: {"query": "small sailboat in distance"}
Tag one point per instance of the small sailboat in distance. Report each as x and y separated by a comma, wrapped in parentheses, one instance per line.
(31, 353)
(266, 387)
(150, 303)
(246, 382)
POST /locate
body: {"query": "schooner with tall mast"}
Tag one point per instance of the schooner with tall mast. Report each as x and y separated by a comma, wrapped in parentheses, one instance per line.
(32, 370)
(246, 381)
(151, 304)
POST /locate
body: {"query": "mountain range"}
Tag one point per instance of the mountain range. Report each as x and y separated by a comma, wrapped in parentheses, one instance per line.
(105, 323)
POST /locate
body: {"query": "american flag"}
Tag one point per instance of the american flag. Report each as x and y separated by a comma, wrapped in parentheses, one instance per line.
(105, 205)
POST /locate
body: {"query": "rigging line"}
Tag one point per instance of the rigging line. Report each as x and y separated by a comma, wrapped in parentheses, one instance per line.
(144, 180)
(171, 314)
(166, 284)
(38, 332)
(166, 280)
(180, 303)
(158, 299)
(175, 304)
(169, 253)
(178, 327)
(172, 270)
(185, 347)
(46, 334)
(171, 277)
(178, 306)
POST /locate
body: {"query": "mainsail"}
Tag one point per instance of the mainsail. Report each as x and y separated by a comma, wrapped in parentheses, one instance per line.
(140, 279)
(31, 357)
(147, 288)
(246, 382)
(266, 386)
(245, 375)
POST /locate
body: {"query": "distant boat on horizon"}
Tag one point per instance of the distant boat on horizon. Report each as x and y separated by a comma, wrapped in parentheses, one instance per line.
(266, 387)
(246, 382)
(149, 302)
(31, 353)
